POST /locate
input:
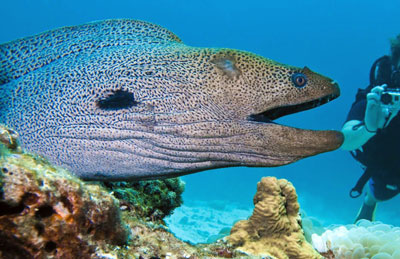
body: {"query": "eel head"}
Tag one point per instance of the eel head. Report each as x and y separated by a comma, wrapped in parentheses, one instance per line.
(251, 92)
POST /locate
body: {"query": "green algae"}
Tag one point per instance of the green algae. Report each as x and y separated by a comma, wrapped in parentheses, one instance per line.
(152, 199)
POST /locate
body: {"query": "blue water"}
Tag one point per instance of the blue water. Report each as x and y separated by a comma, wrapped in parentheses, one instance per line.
(337, 38)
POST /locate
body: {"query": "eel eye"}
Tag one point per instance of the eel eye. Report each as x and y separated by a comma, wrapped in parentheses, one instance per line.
(119, 99)
(299, 80)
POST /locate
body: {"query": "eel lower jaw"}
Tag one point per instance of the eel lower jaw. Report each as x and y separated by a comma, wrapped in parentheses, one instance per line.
(299, 142)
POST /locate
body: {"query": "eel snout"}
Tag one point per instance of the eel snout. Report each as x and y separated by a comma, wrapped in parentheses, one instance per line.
(290, 144)
(321, 91)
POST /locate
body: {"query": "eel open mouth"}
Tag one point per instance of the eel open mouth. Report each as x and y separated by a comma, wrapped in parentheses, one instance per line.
(275, 113)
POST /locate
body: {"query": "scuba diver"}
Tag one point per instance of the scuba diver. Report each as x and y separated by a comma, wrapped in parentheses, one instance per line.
(372, 133)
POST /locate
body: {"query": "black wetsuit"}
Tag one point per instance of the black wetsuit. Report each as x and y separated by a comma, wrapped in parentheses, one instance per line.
(380, 154)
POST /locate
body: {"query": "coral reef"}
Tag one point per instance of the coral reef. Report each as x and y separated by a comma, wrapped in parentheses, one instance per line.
(274, 228)
(45, 212)
(363, 240)
(9, 139)
(152, 200)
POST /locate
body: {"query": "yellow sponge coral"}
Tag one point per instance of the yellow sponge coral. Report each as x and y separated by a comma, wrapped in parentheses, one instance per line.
(274, 227)
(364, 240)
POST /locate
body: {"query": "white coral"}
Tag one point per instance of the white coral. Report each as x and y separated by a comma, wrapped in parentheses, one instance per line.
(364, 240)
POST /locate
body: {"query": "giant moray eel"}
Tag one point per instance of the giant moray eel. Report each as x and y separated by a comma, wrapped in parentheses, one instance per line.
(126, 99)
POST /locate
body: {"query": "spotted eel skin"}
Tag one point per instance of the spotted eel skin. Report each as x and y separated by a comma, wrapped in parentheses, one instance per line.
(125, 100)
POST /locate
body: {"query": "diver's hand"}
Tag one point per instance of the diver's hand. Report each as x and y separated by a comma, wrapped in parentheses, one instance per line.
(375, 114)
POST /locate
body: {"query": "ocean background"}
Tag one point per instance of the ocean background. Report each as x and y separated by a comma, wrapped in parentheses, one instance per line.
(338, 38)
